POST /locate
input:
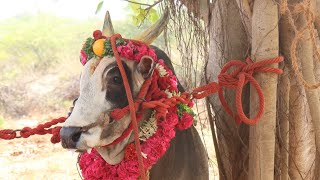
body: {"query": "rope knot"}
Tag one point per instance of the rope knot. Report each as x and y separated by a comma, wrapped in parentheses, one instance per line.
(26, 132)
(241, 74)
(235, 75)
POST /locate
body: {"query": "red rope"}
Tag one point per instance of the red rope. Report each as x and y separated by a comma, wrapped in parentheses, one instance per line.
(41, 129)
(132, 107)
(236, 79)
(241, 74)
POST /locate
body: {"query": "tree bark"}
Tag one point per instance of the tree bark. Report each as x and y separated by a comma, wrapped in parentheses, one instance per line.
(317, 16)
(283, 125)
(302, 145)
(301, 156)
(228, 41)
(305, 53)
(265, 45)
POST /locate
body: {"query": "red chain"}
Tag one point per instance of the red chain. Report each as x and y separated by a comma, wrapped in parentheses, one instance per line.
(41, 129)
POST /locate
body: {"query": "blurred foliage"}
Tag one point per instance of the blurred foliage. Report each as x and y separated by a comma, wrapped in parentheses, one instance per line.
(140, 11)
(99, 6)
(37, 43)
(39, 60)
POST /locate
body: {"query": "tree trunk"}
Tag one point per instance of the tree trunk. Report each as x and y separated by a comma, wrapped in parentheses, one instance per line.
(265, 45)
(283, 126)
(228, 41)
(301, 131)
(302, 145)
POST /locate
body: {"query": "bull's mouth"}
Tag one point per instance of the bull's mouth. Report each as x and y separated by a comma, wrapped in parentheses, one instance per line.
(98, 135)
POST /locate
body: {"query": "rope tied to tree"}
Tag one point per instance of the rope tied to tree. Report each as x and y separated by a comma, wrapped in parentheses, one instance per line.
(234, 75)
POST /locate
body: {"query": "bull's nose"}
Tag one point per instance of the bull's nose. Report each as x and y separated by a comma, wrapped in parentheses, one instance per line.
(70, 136)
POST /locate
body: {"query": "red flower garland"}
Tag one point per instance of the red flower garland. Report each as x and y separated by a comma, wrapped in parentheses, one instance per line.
(93, 166)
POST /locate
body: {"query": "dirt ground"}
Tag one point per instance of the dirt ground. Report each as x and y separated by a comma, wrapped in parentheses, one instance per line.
(36, 158)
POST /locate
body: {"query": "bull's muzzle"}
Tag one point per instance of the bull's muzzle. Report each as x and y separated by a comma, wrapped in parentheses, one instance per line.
(70, 136)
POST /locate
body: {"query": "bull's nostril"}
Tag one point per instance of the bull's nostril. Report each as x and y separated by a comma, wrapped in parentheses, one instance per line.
(70, 136)
(110, 120)
(75, 137)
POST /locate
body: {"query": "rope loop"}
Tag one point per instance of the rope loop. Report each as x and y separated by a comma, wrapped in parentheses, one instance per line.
(8, 134)
(242, 74)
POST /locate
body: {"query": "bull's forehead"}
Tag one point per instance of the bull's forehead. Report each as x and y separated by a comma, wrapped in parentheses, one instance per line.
(94, 74)
(96, 67)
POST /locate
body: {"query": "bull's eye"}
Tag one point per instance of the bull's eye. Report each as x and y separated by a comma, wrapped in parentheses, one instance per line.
(117, 80)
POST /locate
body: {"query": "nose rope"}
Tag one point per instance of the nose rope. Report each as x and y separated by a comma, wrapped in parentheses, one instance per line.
(131, 104)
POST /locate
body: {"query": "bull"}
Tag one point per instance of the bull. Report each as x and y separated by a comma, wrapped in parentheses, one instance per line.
(102, 91)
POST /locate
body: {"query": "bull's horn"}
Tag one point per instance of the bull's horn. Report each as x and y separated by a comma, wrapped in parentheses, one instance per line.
(150, 34)
(107, 29)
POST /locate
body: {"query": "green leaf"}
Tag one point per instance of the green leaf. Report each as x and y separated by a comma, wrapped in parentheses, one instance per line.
(99, 7)
(143, 12)
(141, 16)
(153, 15)
(135, 8)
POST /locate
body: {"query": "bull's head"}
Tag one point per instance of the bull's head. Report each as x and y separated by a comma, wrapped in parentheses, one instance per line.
(101, 91)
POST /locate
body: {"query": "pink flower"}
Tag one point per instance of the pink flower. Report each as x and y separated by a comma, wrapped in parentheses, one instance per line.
(190, 104)
(130, 152)
(83, 57)
(185, 122)
(152, 54)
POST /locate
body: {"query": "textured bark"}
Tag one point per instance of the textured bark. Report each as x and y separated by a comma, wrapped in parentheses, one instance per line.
(228, 41)
(265, 45)
(246, 16)
(286, 36)
(301, 132)
(317, 16)
(283, 126)
(317, 74)
(302, 145)
(305, 53)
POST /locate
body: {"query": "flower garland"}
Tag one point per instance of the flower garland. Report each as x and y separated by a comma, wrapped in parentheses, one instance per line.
(154, 143)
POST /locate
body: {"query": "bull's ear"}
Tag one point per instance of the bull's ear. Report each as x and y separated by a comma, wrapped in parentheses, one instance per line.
(146, 66)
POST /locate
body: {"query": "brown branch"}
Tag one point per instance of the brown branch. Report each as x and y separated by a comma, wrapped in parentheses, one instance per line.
(154, 4)
(144, 4)
(222, 171)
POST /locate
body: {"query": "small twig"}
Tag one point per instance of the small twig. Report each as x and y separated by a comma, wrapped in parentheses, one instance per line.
(150, 6)
(143, 4)
(154, 4)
